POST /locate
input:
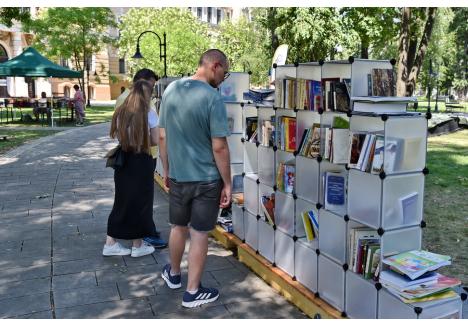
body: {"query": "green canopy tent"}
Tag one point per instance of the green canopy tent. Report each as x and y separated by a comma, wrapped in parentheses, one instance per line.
(31, 63)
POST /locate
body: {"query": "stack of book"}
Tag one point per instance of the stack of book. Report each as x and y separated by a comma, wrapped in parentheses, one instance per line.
(364, 252)
(412, 277)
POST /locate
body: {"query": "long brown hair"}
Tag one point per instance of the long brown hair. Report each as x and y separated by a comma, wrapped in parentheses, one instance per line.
(130, 120)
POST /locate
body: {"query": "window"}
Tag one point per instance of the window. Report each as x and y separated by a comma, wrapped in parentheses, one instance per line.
(209, 14)
(218, 16)
(93, 63)
(121, 66)
(199, 12)
(64, 62)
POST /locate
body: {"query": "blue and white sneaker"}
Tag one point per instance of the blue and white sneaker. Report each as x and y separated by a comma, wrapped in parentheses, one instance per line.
(172, 281)
(203, 295)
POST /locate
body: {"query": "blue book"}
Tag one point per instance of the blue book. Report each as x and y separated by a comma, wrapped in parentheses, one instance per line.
(335, 192)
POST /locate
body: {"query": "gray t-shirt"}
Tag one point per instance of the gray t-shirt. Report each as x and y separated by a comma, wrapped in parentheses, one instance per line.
(192, 112)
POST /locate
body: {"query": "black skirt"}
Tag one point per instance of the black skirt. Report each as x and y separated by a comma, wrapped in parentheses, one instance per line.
(132, 214)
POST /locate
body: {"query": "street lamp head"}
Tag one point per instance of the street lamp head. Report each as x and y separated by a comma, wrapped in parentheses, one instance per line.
(137, 54)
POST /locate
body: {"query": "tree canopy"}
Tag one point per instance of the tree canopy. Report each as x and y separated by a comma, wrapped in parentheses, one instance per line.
(187, 38)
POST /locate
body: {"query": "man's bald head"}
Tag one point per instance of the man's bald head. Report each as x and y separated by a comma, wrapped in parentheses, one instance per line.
(212, 56)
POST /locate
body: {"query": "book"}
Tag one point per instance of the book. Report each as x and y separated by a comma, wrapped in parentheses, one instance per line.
(383, 82)
(447, 294)
(378, 160)
(342, 99)
(289, 176)
(313, 218)
(268, 207)
(416, 262)
(335, 192)
(251, 124)
(356, 238)
(308, 228)
(381, 104)
(355, 148)
(230, 124)
(403, 282)
(315, 95)
(237, 183)
(340, 146)
(409, 207)
(441, 284)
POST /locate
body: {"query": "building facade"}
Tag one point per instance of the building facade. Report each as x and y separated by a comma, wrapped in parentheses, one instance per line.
(105, 71)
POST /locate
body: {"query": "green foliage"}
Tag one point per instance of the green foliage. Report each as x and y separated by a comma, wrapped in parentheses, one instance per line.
(187, 38)
(72, 32)
(9, 14)
(376, 27)
(240, 42)
(311, 33)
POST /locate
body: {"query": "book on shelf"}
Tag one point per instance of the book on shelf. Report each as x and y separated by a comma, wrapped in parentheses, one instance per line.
(357, 140)
(409, 207)
(310, 147)
(416, 262)
(383, 82)
(381, 104)
(443, 295)
(347, 82)
(251, 125)
(268, 130)
(340, 146)
(378, 159)
(287, 136)
(335, 191)
(230, 124)
(341, 97)
(310, 225)
(328, 93)
(285, 176)
(315, 95)
(359, 238)
(268, 207)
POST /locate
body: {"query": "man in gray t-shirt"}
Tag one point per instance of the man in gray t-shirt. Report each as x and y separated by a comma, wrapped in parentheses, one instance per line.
(195, 155)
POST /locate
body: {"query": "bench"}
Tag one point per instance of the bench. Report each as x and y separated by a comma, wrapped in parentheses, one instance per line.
(4, 137)
(453, 105)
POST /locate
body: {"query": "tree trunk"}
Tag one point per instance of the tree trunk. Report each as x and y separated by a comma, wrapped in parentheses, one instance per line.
(413, 46)
(364, 48)
(403, 49)
(416, 69)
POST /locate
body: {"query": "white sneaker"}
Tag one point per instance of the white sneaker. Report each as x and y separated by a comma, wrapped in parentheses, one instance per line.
(115, 250)
(143, 250)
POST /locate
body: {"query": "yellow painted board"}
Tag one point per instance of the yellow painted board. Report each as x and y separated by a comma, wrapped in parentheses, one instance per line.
(293, 291)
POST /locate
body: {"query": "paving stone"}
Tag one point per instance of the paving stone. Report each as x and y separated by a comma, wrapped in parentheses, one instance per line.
(87, 265)
(139, 261)
(128, 290)
(131, 309)
(166, 304)
(24, 273)
(144, 275)
(24, 305)
(70, 253)
(24, 288)
(204, 312)
(229, 275)
(18, 261)
(73, 281)
(36, 315)
(268, 308)
(82, 296)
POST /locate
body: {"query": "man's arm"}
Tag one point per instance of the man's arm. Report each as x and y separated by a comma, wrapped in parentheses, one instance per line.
(221, 155)
(163, 155)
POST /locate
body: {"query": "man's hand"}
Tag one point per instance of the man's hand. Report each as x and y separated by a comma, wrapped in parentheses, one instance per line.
(225, 199)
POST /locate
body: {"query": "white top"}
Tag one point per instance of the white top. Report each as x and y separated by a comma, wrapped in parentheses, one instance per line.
(152, 118)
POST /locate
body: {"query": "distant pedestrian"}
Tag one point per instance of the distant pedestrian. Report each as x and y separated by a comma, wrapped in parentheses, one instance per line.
(134, 125)
(147, 74)
(78, 101)
(195, 156)
(42, 107)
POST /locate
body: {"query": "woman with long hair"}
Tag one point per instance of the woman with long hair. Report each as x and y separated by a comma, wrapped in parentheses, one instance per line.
(131, 218)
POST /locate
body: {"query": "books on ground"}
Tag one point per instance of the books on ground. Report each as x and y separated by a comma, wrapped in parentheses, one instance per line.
(416, 262)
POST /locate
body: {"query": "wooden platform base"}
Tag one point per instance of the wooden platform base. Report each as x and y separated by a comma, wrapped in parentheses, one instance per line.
(293, 291)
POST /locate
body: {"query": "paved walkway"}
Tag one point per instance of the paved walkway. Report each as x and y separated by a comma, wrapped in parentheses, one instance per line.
(55, 197)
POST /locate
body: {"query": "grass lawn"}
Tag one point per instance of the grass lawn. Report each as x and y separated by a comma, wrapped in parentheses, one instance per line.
(19, 137)
(94, 114)
(446, 201)
(422, 106)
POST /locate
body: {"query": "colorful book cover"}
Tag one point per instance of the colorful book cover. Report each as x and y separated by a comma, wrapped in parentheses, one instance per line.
(315, 95)
(289, 176)
(417, 262)
(308, 228)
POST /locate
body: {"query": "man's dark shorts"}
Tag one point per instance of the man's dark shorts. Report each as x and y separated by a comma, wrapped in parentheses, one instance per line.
(194, 203)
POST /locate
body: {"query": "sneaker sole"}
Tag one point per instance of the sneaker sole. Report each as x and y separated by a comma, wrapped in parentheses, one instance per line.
(198, 303)
(169, 283)
(109, 255)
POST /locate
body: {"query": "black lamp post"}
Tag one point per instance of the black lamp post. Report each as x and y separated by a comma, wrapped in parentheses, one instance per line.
(162, 49)
(436, 109)
(88, 103)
